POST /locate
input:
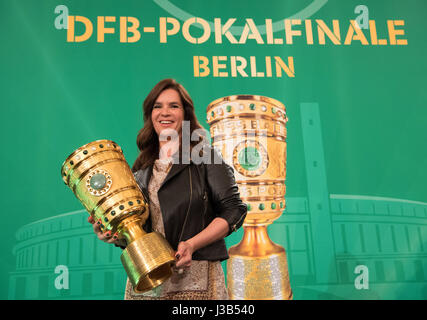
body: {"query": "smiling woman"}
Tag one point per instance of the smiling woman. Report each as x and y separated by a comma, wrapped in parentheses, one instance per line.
(194, 205)
(167, 117)
(168, 102)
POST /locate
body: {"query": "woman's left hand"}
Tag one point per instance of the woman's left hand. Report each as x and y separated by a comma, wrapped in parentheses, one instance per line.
(184, 254)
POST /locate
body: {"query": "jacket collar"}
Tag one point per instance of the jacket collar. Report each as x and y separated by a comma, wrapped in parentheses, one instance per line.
(145, 174)
(176, 168)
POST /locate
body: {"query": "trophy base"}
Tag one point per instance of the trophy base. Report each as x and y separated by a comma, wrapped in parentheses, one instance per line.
(148, 261)
(257, 268)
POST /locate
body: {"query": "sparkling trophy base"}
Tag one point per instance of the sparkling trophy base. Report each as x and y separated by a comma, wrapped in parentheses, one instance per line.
(257, 268)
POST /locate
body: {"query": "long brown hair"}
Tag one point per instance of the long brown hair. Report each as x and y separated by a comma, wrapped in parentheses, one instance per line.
(147, 139)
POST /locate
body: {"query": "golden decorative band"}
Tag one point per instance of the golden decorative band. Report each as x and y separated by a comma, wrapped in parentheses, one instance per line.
(82, 174)
(248, 126)
(85, 152)
(261, 190)
(104, 199)
(251, 101)
(93, 146)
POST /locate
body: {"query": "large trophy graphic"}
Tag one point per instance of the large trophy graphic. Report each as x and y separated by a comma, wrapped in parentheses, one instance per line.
(101, 179)
(250, 132)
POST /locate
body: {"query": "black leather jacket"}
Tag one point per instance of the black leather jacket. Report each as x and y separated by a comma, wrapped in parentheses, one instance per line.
(213, 192)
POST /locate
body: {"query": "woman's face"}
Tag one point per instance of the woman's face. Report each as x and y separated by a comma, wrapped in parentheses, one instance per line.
(168, 112)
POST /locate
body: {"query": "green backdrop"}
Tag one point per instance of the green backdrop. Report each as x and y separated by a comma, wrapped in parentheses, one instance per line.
(356, 139)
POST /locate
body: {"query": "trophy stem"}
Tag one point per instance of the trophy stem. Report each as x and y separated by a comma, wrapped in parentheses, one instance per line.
(257, 268)
(256, 243)
(131, 229)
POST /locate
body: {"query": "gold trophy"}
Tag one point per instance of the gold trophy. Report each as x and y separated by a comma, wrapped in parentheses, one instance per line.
(250, 132)
(101, 179)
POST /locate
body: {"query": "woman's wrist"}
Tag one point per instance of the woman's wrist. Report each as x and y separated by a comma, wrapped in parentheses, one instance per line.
(216, 230)
(191, 244)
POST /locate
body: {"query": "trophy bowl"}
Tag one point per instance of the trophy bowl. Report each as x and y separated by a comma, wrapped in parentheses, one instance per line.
(102, 181)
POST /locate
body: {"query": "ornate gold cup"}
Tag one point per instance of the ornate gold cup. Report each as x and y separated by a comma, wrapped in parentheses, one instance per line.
(250, 132)
(101, 179)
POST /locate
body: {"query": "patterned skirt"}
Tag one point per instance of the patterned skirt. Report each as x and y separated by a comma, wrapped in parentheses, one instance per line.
(213, 289)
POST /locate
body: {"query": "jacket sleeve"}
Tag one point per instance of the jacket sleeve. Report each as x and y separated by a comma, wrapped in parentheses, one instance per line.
(225, 194)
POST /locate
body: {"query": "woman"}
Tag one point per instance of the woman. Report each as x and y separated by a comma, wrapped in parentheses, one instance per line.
(193, 204)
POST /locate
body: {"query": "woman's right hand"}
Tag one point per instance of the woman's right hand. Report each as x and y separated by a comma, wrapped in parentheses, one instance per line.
(107, 236)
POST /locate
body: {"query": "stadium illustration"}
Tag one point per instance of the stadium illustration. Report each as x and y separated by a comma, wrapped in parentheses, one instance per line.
(326, 237)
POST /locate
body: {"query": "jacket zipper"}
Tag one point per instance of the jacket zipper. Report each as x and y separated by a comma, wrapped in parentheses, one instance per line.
(205, 203)
(189, 206)
(144, 195)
